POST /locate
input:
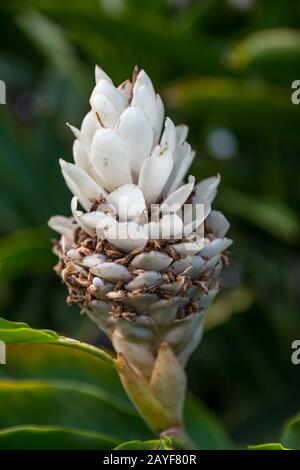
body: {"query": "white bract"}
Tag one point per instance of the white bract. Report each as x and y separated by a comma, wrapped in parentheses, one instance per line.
(144, 239)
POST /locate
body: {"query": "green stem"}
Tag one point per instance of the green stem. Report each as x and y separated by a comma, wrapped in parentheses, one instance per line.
(179, 437)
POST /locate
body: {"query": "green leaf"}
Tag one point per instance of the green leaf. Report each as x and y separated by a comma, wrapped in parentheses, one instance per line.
(204, 428)
(68, 404)
(274, 446)
(139, 445)
(14, 333)
(18, 332)
(85, 367)
(163, 444)
(51, 362)
(291, 433)
(52, 438)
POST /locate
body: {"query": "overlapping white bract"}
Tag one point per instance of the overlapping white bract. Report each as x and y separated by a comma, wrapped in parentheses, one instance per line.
(128, 153)
(127, 157)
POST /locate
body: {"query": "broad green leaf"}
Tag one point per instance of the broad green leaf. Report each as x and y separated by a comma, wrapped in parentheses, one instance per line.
(52, 438)
(204, 428)
(14, 333)
(68, 404)
(51, 362)
(291, 433)
(88, 366)
(139, 445)
(274, 446)
(19, 332)
(163, 444)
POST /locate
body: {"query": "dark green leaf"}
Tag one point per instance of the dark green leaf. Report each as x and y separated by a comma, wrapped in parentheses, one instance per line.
(52, 438)
(11, 332)
(203, 427)
(291, 433)
(139, 445)
(52, 362)
(275, 446)
(68, 404)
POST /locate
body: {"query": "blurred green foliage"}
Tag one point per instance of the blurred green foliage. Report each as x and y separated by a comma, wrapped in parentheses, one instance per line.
(225, 67)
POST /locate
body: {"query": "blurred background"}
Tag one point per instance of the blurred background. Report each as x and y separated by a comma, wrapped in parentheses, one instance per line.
(225, 67)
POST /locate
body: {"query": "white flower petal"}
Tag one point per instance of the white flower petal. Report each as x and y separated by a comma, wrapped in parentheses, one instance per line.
(194, 340)
(143, 80)
(109, 158)
(62, 225)
(73, 254)
(125, 90)
(141, 302)
(107, 221)
(217, 223)
(152, 261)
(143, 98)
(77, 214)
(168, 138)
(80, 155)
(172, 288)
(190, 248)
(194, 216)
(164, 311)
(171, 227)
(112, 272)
(81, 184)
(146, 279)
(100, 74)
(181, 134)
(206, 190)
(128, 200)
(92, 219)
(98, 312)
(160, 119)
(178, 197)
(126, 236)
(102, 288)
(106, 88)
(182, 265)
(77, 133)
(183, 158)
(82, 159)
(215, 247)
(89, 126)
(135, 129)
(92, 260)
(105, 111)
(152, 229)
(198, 266)
(154, 174)
(206, 299)
(211, 263)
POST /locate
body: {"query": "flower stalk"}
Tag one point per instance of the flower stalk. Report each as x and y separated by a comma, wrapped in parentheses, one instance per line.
(143, 250)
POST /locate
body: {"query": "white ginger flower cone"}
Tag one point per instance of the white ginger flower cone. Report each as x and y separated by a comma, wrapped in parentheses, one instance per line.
(140, 267)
